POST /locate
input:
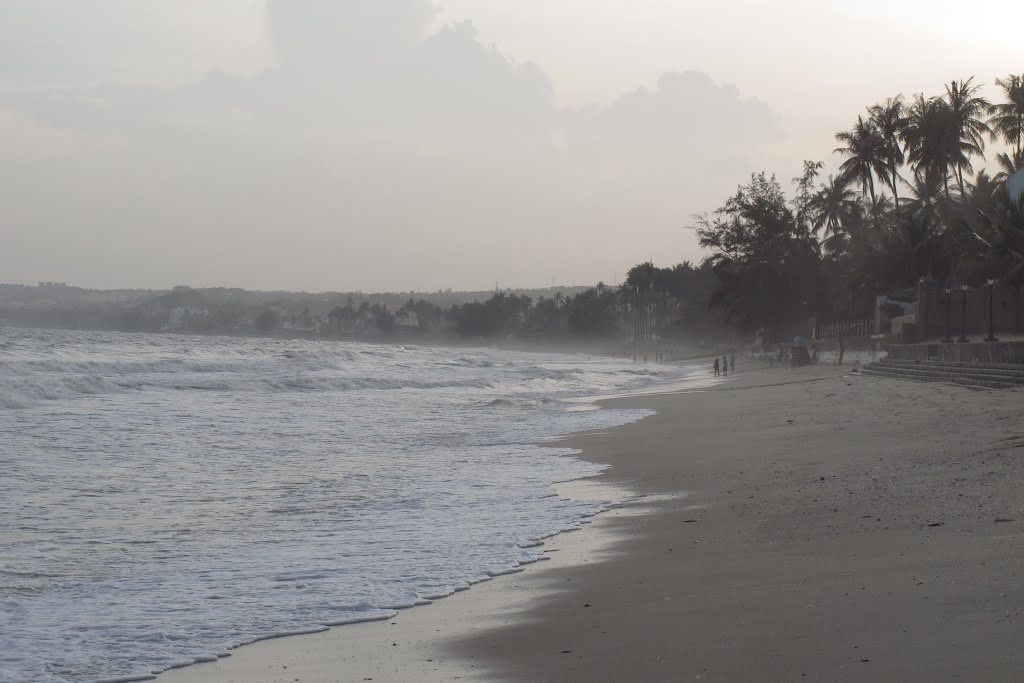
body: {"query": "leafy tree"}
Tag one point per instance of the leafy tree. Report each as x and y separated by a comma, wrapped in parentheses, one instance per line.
(593, 312)
(805, 191)
(768, 265)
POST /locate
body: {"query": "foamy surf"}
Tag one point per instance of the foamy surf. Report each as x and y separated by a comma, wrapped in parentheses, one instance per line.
(174, 498)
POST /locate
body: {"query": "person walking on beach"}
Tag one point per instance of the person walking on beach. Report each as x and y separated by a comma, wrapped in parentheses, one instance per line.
(732, 364)
(716, 367)
(725, 366)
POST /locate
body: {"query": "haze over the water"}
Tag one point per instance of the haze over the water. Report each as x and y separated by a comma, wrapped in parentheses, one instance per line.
(404, 144)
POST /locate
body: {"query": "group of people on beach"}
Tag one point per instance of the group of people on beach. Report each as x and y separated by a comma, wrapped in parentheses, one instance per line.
(723, 369)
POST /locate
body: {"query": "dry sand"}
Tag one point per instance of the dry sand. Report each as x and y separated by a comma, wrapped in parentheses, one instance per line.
(833, 528)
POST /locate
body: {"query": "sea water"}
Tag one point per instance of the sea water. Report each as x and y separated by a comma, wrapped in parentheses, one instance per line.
(165, 498)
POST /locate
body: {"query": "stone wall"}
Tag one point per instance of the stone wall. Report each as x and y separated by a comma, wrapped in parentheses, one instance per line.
(1002, 353)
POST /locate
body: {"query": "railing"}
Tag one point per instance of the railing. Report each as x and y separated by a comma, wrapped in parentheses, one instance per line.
(857, 327)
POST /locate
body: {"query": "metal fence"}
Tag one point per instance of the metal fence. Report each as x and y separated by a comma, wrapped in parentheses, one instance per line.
(857, 327)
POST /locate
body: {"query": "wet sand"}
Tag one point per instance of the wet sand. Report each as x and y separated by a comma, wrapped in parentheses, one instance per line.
(801, 524)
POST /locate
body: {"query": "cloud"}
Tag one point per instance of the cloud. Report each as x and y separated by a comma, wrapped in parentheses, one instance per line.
(64, 43)
(373, 154)
(331, 34)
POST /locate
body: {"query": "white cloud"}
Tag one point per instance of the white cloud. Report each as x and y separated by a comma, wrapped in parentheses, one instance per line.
(373, 155)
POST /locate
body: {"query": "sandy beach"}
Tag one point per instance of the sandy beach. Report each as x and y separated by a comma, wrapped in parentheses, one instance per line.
(795, 524)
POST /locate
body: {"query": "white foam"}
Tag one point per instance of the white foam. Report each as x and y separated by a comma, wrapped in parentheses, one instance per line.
(284, 634)
(230, 490)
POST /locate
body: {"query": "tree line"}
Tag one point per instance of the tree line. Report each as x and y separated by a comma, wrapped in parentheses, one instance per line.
(911, 199)
(652, 303)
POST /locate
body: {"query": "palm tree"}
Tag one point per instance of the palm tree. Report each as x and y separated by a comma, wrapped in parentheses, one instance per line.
(890, 119)
(967, 109)
(865, 154)
(830, 209)
(1007, 121)
(1009, 164)
(982, 193)
(926, 191)
(927, 138)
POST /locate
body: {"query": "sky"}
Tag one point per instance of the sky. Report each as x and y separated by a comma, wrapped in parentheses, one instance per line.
(414, 145)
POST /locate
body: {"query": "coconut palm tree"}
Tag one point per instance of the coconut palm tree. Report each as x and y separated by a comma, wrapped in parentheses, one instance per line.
(982, 193)
(890, 119)
(1009, 163)
(967, 108)
(926, 190)
(927, 139)
(1007, 120)
(865, 155)
(830, 209)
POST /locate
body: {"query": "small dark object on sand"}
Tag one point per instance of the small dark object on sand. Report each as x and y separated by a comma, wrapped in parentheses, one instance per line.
(936, 524)
(1001, 520)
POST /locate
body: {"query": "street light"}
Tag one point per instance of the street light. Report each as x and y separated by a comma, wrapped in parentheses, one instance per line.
(963, 316)
(948, 339)
(991, 329)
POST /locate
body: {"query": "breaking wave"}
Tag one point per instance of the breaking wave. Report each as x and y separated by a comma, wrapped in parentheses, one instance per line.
(167, 498)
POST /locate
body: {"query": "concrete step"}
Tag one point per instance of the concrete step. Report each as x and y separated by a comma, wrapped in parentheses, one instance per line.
(1017, 373)
(999, 376)
(960, 378)
(970, 384)
(1016, 369)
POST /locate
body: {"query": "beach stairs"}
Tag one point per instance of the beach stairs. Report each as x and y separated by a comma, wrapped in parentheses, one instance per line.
(977, 375)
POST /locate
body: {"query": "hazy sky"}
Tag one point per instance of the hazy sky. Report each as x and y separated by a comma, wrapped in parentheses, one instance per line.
(405, 144)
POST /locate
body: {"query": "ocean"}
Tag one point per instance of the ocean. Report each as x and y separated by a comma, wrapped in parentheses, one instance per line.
(165, 498)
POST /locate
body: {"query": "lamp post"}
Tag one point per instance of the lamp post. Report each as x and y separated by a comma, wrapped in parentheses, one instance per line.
(948, 339)
(963, 316)
(991, 327)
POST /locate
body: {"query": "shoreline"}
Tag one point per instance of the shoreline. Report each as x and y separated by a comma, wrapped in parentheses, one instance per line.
(836, 528)
(411, 645)
(819, 539)
(255, 661)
